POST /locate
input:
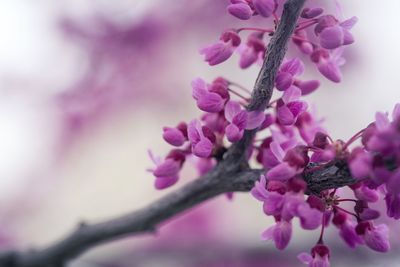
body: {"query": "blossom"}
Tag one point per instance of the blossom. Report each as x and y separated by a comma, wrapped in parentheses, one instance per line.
(252, 51)
(264, 8)
(310, 13)
(209, 98)
(309, 125)
(222, 50)
(281, 169)
(310, 218)
(360, 163)
(240, 9)
(175, 136)
(375, 237)
(287, 72)
(329, 64)
(289, 107)
(393, 195)
(167, 171)
(347, 229)
(239, 120)
(280, 233)
(201, 139)
(333, 34)
(319, 256)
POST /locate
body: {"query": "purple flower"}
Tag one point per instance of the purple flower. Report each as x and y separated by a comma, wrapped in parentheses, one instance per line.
(319, 256)
(273, 203)
(393, 205)
(369, 214)
(309, 125)
(252, 51)
(240, 9)
(329, 64)
(167, 171)
(287, 72)
(201, 139)
(289, 107)
(280, 233)
(307, 87)
(264, 8)
(282, 171)
(239, 120)
(360, 163)
(207, 99)
(375, 237)
(310, 218)
(175, 136)
(310, 13)
(347, 229)
(222, 50)
(393, 195)
(259, 191)
(366, 194)
(332, 37)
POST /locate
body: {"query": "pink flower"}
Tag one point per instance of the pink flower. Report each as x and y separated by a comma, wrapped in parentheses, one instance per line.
(347, 229)
(310, 13)
(289, 107)
(287, 72)
(239, 120)
(280, 233)
(167, 171)
(252, 51)
(375, 237)
(310, 218)
(222, 50)
(336, 35)
(264, 7)
(240, 9)
(329, 64)
(393, 195)
(209, 98)
(201, 138)
(282, 171)
(175, 136)
(309, 125)
(366, 194)
(319, 256)
(307, 87)
(360, 163)
(259, 191)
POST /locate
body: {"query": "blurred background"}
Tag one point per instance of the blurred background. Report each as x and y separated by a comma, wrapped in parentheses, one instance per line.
(85, 89)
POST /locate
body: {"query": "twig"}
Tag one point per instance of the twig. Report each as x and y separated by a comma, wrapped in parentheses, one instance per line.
(232, 174)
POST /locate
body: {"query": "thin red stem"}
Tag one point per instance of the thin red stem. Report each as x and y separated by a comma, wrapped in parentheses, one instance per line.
(353, 138)
(304, 40)
(237, 94)
(244, 89)
(346, 200)
(254, 29)
(321, 236)
(275, 17)
(348, 212)
(306, 24)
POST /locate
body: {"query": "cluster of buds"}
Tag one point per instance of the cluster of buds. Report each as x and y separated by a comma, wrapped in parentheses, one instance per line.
(290, 139)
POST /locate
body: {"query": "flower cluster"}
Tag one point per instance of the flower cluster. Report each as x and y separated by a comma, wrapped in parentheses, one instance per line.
(204, 138)
(290, 140)
(319, 36)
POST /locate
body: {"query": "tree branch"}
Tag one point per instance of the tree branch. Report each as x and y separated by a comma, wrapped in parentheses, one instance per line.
(232, 174)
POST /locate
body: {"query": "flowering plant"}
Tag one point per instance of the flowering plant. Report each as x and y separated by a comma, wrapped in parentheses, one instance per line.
(279, 150)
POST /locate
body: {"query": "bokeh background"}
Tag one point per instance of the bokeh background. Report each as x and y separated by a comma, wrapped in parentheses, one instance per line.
(85, 89)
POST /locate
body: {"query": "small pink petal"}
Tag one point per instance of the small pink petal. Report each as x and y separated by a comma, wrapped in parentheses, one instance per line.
(232, 108)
